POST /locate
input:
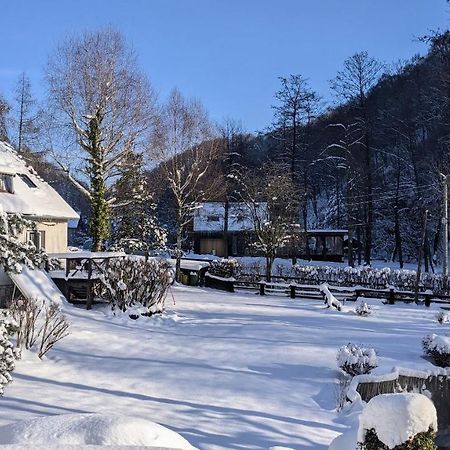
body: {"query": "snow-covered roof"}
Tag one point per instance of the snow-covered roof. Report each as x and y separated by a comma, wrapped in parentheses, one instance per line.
(32, 195)
(210, 216)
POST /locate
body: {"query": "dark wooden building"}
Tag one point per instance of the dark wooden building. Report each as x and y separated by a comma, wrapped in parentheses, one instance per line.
(209, 235)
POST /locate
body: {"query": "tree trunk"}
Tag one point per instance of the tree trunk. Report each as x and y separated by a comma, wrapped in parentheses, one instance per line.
(225, 227)
(99, 224)
(369, 218)
(269, 264)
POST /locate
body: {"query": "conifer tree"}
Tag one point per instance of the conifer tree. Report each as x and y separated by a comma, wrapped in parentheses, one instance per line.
(135, 223)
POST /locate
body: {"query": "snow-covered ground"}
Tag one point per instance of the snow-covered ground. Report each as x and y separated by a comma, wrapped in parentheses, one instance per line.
(226, 371)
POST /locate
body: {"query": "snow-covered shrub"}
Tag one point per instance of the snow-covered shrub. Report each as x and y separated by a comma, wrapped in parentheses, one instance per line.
(330, 299)
(438, 349)
(399, 422)
(7, 356)
(40, 324)
(13, 252)
(356, 359)
(363, 309)
(130, 282)
(226, 268)
(442, 317)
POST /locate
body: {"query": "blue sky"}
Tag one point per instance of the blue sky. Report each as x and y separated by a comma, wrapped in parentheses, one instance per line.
(227, 53)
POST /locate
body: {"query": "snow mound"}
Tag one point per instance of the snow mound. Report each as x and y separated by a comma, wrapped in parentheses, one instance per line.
(92, 429)
(397, 417)
(345, 441)
(330, 299)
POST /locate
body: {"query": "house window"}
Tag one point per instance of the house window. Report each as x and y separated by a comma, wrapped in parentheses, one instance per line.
(27, 180)
(37, 238)
(6, 183)
(213, 218)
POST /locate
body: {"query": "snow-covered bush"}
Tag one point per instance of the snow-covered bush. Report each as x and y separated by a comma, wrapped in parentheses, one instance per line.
(130, 282)
(226, 268)
(363, 309)
(14, 252)
(399, 422)
(7, 357)
(40, 324)
(442, 317)
(438, 349)
(356, 359)
(421, 441)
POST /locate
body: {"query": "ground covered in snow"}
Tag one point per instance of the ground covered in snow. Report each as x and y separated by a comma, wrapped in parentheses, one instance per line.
(226, 371)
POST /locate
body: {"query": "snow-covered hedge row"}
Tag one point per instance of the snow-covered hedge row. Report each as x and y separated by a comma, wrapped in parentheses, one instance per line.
(7, 357)
(438, 348)
(356, 359)
(130, 282)
(367, 277)
(225, 268)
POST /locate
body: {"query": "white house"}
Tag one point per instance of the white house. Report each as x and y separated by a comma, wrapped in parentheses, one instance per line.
(23, 191)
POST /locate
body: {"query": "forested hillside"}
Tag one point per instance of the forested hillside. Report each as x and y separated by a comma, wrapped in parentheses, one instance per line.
(374, 164)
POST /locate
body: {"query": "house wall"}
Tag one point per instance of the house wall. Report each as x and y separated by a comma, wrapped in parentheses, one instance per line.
(55, 235)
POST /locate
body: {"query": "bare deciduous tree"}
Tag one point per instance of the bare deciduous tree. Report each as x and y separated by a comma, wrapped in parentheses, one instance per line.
(108, 106)
(271, 201)
(4, 110)
(353, 83)
(185, 145)
(26, 115)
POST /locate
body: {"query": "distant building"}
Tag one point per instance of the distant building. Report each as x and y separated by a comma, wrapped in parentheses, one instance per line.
(24, 192)
(211, 234)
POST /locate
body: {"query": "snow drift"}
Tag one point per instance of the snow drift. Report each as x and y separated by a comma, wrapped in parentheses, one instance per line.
(92, 429)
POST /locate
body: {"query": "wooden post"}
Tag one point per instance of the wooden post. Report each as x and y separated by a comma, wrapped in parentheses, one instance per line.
(292, 290)
(391, 299)
(89, 296)
(428, 297)
(262, 288)
(89, 268)
(421, 251)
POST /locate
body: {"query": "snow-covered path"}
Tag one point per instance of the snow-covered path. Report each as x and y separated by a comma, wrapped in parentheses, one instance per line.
(227, 371)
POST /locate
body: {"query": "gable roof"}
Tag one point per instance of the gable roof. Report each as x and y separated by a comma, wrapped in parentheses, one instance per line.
(41, 201)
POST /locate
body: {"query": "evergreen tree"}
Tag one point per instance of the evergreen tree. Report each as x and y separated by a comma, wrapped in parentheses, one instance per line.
(135, 224)
(7, 363)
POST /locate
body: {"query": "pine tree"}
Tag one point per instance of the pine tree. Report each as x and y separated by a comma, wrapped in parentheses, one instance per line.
(135, 223)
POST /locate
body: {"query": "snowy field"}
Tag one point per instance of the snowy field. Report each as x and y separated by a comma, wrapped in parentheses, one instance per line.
(226, 371)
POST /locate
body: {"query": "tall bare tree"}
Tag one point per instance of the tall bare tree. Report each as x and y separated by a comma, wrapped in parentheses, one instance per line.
(184, 145)
(108, 106)
(26, 115)
(353, 84)
(4, 111)
(231, 144)
(297, 106)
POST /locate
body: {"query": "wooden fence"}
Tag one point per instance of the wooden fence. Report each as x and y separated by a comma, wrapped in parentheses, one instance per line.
(287, 286)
